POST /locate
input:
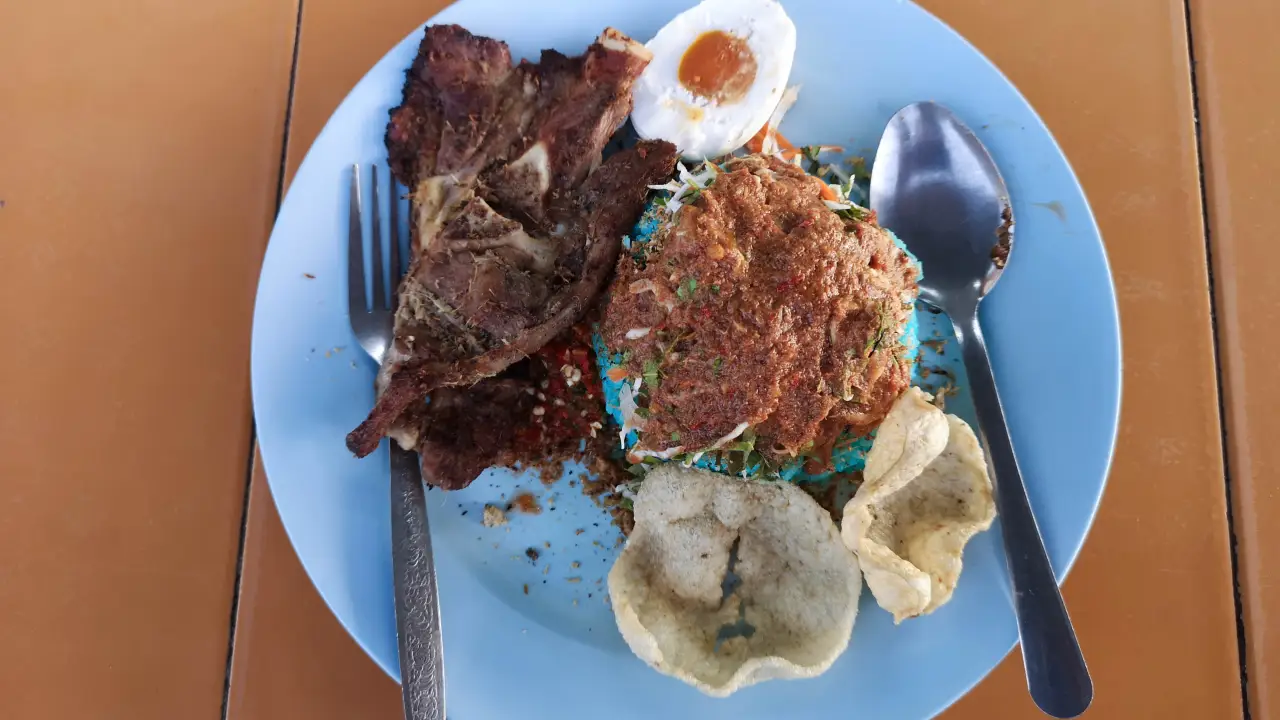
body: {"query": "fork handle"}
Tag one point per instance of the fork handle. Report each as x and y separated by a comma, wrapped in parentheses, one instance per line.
(1057, 676)
(417, 602)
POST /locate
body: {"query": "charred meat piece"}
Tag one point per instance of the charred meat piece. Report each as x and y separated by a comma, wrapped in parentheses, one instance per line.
(465, 430)
(582, 102)
(450, 95)
(539, 409)
(517, 224)
(454, 351)
(533, 131)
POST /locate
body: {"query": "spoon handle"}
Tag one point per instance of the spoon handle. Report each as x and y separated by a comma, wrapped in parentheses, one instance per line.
(1056, 673)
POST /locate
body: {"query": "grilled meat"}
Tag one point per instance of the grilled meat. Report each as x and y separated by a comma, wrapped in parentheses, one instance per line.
(517, 224)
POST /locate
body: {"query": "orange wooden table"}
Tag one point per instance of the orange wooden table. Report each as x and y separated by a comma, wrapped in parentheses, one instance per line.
(143, 570)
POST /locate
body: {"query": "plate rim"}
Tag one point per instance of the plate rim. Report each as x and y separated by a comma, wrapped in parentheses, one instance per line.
(1093, 232)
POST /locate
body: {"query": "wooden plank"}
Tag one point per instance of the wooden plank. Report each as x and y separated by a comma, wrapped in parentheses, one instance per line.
(1151, 594)
(292, 658)
(138, 171)
(1152, 591)
(1238, 79)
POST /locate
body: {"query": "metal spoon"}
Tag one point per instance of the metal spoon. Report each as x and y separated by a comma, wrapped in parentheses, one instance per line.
(936, 187)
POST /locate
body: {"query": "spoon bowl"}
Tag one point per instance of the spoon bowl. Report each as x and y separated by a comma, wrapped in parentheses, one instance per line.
(936, 187)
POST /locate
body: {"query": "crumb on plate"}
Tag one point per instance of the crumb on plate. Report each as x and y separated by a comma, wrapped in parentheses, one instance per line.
(494, 516)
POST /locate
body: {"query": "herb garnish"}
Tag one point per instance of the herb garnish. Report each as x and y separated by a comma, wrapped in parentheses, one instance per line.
(884, 325)
(651, 372)
(855, 212)
(810, 154)
(686, 289)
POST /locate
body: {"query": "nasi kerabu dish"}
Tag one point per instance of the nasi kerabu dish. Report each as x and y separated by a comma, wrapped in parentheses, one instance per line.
(618, 255)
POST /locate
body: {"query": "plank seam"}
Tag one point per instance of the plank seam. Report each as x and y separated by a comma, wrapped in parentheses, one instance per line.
(253, 426)
(1241, 636)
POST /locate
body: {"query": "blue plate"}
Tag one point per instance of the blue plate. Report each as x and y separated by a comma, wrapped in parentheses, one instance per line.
(555, 651)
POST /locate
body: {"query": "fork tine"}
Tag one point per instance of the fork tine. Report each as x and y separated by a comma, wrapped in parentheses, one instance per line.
(379, 272)
(355, 248)
(394, 223)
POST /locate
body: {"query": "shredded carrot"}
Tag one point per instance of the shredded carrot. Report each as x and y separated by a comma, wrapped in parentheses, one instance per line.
(827, 193)
(617, 374)
(756, 143)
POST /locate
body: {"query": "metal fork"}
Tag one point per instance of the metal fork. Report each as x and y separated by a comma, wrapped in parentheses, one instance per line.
(417, 602)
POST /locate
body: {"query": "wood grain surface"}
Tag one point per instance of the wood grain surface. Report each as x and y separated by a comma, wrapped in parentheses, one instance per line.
(1238, 78)
(1152, 588)
(139, 164)
(140, 151)
(292, 658)
(1150, 594)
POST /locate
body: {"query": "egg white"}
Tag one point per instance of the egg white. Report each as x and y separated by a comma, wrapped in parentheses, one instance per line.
(699, 127)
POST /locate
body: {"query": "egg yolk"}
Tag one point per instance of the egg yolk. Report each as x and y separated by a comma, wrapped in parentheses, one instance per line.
(718, 66)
